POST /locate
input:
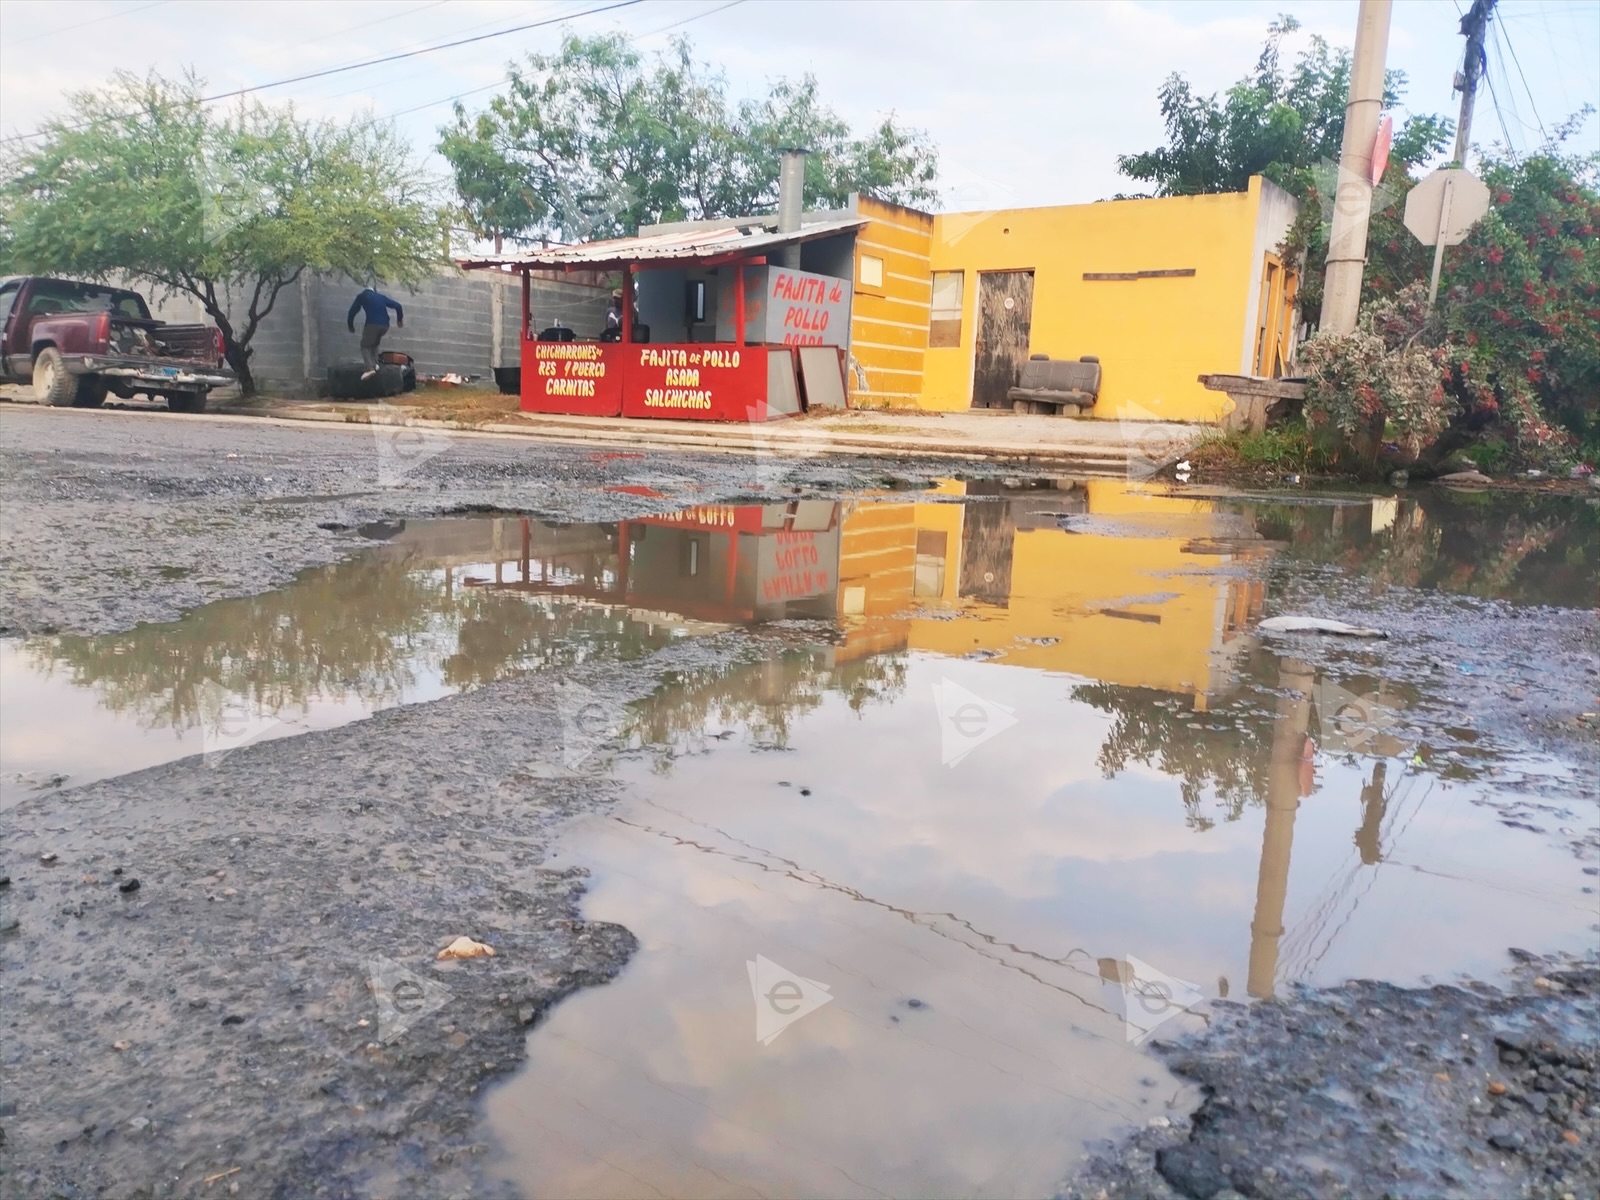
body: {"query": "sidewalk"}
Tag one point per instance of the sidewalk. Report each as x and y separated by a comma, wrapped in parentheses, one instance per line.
(1035, 441)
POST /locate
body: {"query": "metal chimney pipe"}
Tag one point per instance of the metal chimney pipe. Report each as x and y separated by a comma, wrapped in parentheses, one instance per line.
(791, 201)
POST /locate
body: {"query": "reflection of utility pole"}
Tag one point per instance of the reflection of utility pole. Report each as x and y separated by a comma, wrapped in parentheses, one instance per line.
(1373, 804)
(1283, 798)
(1352, 206)
(1473, 26)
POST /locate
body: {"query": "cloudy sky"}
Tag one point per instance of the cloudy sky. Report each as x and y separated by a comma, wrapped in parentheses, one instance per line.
(1030, 103)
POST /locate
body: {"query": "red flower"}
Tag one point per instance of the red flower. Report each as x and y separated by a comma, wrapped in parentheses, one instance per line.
(1477, 288)
(1496, 254)
(1502, 197)
(1537, 356)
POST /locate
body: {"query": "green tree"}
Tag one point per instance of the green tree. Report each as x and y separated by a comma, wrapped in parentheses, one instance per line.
(596, 140)
(143, 178)
(1285, 125)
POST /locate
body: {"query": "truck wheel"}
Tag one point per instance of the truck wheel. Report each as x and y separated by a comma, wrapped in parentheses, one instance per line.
(91, 392)
(186, 402)
(51, 383)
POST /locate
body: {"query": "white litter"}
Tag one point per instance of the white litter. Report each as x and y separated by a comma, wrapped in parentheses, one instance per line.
(1317, 625)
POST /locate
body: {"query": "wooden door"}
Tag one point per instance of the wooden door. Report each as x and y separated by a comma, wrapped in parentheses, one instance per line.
(1005, 317)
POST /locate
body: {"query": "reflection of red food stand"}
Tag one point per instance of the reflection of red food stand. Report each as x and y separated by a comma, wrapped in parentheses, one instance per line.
(726, 564)
(737, 380)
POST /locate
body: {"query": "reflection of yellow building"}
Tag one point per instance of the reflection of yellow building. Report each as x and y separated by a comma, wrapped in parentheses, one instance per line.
(1132, 605)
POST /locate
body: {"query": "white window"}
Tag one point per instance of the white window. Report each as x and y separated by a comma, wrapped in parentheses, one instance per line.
(871, 271)
(944, 318)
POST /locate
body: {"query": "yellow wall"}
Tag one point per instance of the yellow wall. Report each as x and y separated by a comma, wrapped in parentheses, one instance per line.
(889, 324)
(1062, 585)
(1153, 336)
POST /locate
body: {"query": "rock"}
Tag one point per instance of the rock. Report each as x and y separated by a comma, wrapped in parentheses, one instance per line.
(47, 858)
(1464, 479)
(128, 885)
(5, 881)
(1497, 1088)
(1399, 478)
(465, 947)
(233, 1019)
(120, 1046)
(1503, 1137)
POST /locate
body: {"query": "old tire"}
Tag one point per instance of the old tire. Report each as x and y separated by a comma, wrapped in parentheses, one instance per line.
(186, 402)
(91, 392)
(51, 383)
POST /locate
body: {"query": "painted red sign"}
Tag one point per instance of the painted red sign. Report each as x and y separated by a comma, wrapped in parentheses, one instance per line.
(582, 378)
(741, 518)
(797, 566)
(807, 310)
(696, 382)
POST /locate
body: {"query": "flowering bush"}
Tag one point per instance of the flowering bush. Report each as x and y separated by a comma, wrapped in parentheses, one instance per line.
(1514, 345)
(1385, 381)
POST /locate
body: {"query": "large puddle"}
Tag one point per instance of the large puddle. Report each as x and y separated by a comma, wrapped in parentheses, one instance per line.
(910, 896)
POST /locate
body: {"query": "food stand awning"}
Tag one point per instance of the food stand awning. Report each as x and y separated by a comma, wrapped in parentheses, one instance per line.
(674, 248)
(630, 376)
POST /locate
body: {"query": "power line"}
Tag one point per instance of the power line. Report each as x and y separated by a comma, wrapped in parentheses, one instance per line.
(507, 79)
(60, 29)
(374, 62)
(1506, 34)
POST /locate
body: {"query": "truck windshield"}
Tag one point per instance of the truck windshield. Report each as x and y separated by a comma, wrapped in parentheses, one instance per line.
(60, 295)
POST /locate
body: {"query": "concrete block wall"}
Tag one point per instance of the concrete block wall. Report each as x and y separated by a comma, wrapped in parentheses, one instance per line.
(455, 322)
(278, 363)
(448, 324)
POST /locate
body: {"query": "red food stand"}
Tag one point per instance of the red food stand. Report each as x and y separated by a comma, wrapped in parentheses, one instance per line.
(733, 380)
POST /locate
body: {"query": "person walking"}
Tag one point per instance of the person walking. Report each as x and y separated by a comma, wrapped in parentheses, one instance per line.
(376, 306)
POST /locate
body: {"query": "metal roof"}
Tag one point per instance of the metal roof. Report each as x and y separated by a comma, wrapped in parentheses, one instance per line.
(682, 246)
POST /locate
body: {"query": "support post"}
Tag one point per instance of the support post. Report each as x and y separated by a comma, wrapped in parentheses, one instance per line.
(1347, 241)
(627, 306)
(738, 304)
(527, 303)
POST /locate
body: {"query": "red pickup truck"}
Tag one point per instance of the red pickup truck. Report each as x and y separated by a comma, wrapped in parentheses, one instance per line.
(78, 342)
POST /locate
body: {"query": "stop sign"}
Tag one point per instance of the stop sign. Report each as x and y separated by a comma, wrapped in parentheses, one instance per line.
(1444, 206)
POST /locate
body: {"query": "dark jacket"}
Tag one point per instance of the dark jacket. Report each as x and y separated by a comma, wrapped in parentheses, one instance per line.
(376, 305)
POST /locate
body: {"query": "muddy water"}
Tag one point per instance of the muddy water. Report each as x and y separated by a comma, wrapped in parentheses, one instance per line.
(909, 903)
(1024, 787)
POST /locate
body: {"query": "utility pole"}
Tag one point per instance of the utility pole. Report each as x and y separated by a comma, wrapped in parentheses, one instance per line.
(1473, 27)
(1352, 208)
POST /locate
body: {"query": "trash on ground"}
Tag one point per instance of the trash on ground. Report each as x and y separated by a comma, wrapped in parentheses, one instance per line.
(465, 947)
(1293, 624)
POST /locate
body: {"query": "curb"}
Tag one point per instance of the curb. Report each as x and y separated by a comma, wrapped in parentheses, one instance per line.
(1111, 461)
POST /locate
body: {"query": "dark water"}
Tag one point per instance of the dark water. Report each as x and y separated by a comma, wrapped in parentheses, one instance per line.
(1026, 786)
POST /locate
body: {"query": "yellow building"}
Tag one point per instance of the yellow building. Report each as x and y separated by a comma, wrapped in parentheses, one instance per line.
(948, 307)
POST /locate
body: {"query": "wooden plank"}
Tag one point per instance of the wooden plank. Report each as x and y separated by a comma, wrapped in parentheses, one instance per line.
(1175, 273)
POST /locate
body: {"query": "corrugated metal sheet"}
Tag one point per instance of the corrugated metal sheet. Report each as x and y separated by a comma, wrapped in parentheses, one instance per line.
(682, 246)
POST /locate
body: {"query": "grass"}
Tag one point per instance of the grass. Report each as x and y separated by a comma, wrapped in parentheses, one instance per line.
(1287, 449)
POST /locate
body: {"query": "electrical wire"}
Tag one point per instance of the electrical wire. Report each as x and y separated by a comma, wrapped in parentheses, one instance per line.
(507, 79)
(374, 62)
(60, 29)
(1506, 34)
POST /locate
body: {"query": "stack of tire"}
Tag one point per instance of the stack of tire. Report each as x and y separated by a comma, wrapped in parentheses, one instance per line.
(396, 373)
